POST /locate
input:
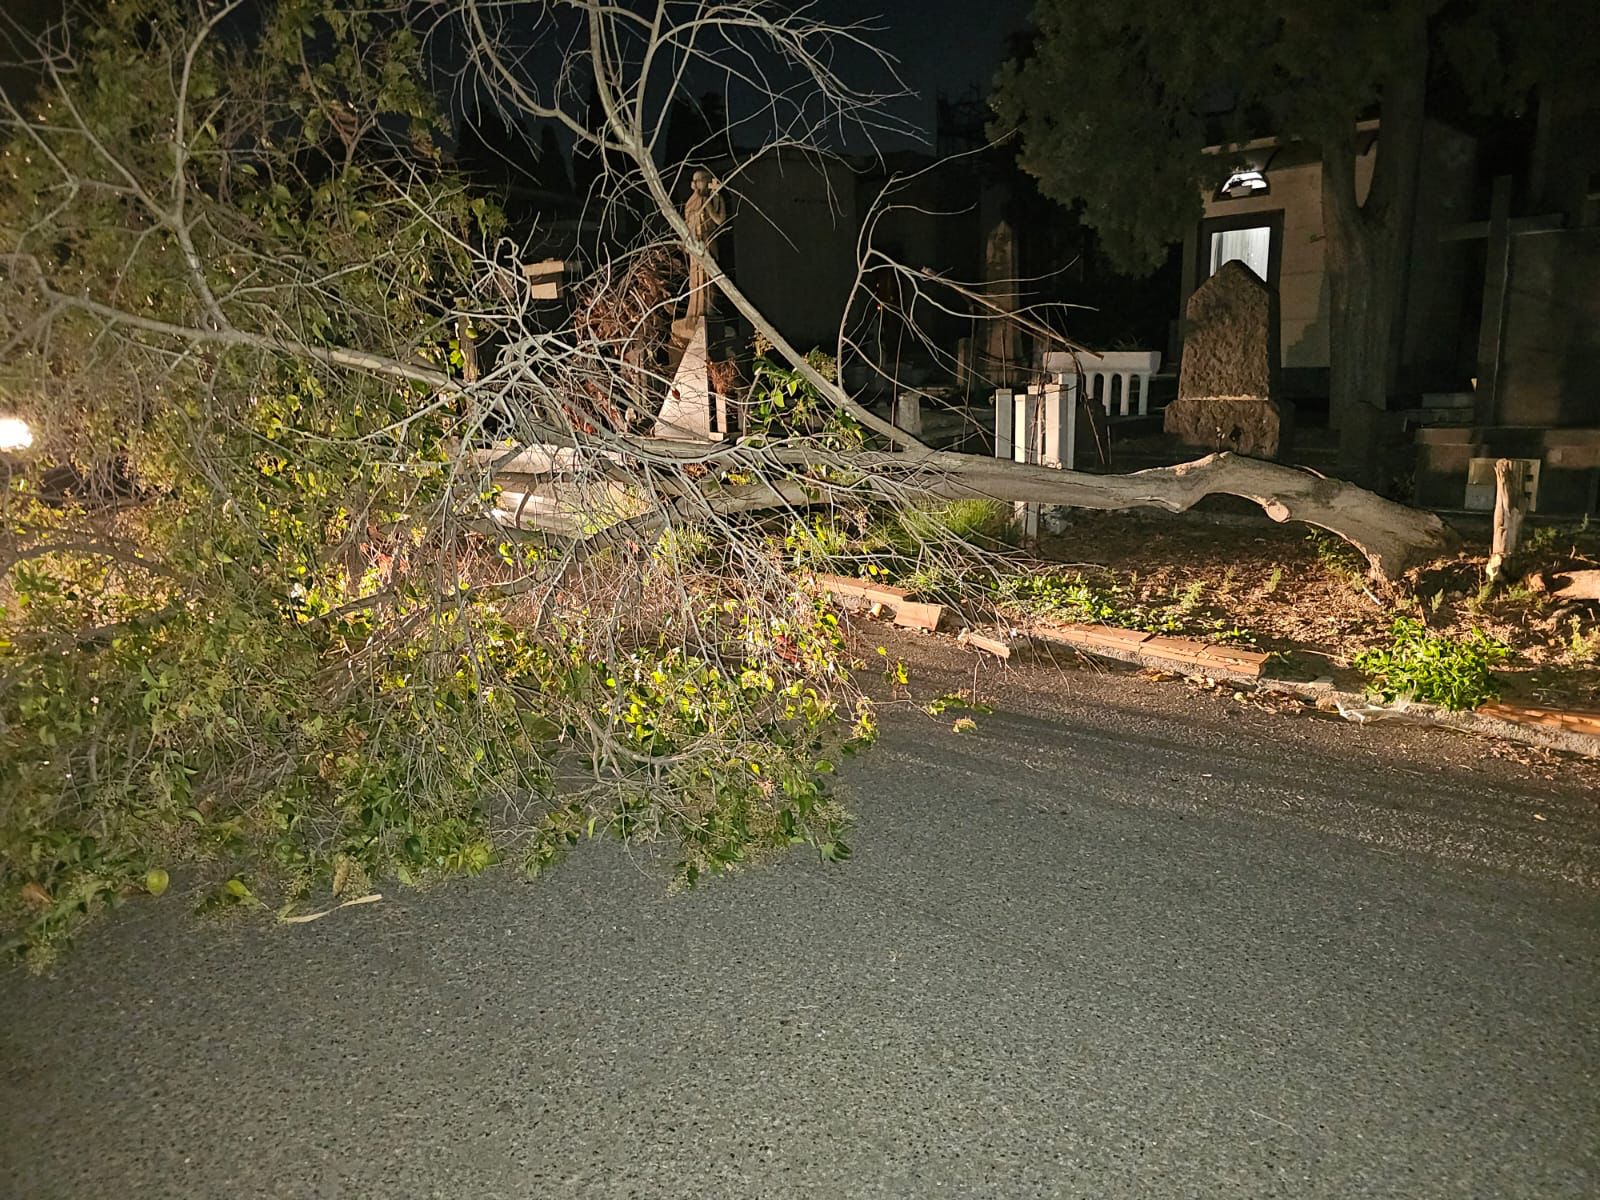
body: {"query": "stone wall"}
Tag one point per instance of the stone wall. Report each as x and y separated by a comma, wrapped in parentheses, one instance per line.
(1550, 365)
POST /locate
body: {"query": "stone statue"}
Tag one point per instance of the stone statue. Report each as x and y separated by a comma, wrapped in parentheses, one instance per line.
(705, 212)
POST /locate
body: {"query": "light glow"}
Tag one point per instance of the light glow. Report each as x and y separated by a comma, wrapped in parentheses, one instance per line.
(15, 434)
(1245, 183)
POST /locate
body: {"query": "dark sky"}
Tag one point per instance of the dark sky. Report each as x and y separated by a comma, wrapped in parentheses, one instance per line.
(943, 45)
(951, 46)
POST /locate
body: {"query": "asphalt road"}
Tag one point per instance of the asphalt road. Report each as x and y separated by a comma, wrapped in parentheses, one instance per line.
(1122, 941)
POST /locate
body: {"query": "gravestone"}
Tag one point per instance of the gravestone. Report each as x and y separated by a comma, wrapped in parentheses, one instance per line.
(692, 408)
(908, 412)
(1003, 360)
(695, 407)
(1228, 383)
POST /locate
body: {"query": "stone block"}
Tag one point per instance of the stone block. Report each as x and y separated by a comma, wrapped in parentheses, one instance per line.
(1257, 428)
(1228, 383)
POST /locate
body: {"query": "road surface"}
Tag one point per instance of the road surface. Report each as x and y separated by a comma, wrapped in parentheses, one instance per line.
(1124, 940)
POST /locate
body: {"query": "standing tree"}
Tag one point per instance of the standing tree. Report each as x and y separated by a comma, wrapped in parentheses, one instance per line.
(297, 586)
(1116, 99)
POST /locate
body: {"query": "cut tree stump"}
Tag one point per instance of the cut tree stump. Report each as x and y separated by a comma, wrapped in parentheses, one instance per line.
(1510, 507)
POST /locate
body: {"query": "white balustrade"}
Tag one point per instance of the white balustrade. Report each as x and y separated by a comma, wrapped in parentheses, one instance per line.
(1109, 377)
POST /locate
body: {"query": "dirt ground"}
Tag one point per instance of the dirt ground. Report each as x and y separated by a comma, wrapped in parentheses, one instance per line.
(1304, 594)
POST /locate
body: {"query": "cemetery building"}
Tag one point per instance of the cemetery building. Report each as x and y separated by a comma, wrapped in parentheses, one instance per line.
(1498, 345)
(1268, 214)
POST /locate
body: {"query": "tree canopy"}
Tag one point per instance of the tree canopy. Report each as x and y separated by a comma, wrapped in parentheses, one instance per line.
(1112, 101)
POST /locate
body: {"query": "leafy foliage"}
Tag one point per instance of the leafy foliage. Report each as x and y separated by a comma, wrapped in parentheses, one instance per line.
(249, 623)
(783, 401)
(1454, 673)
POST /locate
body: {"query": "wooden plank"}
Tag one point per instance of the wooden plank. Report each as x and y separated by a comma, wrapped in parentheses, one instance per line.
(912, 614)
(981, 642)
(1181, 649)
(545, 278)
(1234, 659)
(1110, 635)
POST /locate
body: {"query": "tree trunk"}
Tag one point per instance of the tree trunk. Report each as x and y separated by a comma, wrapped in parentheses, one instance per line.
(1393, 538)
(1366, 249)
(1361, 290)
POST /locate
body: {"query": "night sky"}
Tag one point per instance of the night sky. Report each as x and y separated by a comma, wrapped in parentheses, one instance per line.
(949, 46)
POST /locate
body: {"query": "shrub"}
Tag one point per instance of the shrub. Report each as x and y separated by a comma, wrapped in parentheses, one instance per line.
(1454, 673)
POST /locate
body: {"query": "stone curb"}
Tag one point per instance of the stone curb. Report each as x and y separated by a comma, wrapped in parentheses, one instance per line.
(1551, 729)
(875, 597)
(1248, 663)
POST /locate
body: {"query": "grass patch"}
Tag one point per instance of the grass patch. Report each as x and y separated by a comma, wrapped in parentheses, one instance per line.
(1339, 559)
(979, 522)
(1069, 597)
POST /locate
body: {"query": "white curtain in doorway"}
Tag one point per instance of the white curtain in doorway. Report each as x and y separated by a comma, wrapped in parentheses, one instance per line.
(1253, 247)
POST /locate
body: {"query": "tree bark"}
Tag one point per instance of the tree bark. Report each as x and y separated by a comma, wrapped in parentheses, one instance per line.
(1392, 537)
(1366, 252)
(1576, 585)
(1510, 501)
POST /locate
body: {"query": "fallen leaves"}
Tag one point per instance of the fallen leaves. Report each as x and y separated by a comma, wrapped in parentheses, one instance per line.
(306, 918)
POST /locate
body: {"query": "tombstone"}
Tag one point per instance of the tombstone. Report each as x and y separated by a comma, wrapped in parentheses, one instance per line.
(695, 407)
(908, 413)
(1003, 360)
(1228, 382)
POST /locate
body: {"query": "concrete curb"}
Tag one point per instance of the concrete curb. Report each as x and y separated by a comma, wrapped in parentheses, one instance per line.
(1545, 728)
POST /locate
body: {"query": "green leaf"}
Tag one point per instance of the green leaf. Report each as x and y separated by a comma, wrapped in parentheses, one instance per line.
(155, 881)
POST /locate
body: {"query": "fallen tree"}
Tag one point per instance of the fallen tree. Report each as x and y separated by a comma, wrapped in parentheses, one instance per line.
(1392, 537)
(283, 623)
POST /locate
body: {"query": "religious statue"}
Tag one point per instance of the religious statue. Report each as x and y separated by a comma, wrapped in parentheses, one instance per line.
(704, 212)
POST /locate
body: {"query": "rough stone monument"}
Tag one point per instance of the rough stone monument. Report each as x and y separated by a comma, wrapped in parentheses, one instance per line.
(1003, 359)
(1228, 383)
(693, 408)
